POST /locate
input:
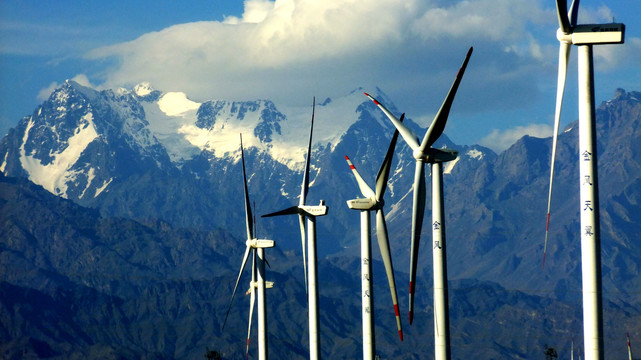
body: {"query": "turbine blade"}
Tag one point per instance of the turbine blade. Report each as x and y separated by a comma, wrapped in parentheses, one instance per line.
(406, 133)
(249, 326)
(301, 222)
(289, 211)
(362, 185)
(562, 13)
(383, 172)
(248, 210)
(240, 273)
(383, 245)
(438, 124)
(574, 12)
(564, 55)
(418, 211)
(252, 300)
(305, 186)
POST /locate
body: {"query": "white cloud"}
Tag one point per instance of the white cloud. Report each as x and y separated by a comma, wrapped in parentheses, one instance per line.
(255, 11)
(269, 35)
(611, 57)
(291, 50)
(81, 79)
(44, 93)
(285, 48)
(498, 20)
(499, 140)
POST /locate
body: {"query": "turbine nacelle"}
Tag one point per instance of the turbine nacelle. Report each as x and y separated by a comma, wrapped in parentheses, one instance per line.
(433, 155)
(260, 243)
(441, 155)
(306, 210)
(598, 34)
(593, 34)
(310, 210)
(365, 204)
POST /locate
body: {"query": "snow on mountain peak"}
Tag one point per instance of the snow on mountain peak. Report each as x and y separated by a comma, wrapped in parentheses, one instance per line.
(176, 104)
(55, 176)
(475, 154)
(185, 128)
(143, 89)
(84, 90)
(449, 166)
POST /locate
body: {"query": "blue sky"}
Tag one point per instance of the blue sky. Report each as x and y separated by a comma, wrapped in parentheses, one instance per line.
(291, 50)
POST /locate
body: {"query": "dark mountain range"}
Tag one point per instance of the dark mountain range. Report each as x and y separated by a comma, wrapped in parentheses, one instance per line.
(76, 285)
(145, 268)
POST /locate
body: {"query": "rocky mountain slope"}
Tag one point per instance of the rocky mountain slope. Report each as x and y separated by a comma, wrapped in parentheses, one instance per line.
(76, 285)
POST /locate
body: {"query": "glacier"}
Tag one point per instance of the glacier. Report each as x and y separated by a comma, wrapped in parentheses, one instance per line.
(173, 120)
(55, 176)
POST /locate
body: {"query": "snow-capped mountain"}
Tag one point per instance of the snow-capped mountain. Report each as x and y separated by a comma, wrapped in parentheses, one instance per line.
(144, 153)
(79, 139)
(157, 125)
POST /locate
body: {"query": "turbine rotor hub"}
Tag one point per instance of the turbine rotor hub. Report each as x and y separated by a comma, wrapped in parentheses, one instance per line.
(564, 37)
(418, 154)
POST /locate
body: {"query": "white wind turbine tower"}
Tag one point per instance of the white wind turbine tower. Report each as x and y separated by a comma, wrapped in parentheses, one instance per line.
(253, 285)
(311, 278)
(257, 248)
(424, 152)
(584, 36)
(374, 201)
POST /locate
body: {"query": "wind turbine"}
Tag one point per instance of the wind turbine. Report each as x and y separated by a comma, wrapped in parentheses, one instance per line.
(311, 279)
(584, 36)
(256, 247)
(629, 347)
(424, 153)
(374, 201)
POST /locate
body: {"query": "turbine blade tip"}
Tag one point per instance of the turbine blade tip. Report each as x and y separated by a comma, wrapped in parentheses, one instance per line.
(372, 98)
(400, 334)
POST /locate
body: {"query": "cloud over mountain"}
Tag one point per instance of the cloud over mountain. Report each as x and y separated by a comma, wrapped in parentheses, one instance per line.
(289, 50)
(499, 140)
